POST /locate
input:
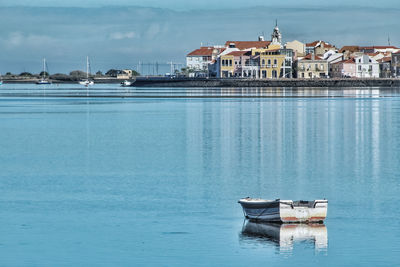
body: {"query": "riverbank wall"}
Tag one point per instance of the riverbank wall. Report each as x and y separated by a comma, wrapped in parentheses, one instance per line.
(231, 82)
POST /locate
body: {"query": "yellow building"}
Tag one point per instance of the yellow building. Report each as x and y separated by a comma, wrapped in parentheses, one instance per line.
(227, 66)
(271, 62)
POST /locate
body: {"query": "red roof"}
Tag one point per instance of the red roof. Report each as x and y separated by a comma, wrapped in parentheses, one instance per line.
(351, 48)
(309, 57)
(317, 43)
(347, 61)
(242, 45)
(203, 51)
(385, 59)
(239, 53)
(377, 47)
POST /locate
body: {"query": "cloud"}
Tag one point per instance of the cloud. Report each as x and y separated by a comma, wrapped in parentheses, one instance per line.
(19, 39)
(123, 35)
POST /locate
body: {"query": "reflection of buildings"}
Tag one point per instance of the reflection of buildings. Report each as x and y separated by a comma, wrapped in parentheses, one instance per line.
(268, 147)
(286, 235)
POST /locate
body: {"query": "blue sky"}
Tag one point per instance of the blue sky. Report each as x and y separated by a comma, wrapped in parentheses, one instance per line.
(130, 31)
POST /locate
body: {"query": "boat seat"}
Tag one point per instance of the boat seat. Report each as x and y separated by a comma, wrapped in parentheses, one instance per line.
(303, 203)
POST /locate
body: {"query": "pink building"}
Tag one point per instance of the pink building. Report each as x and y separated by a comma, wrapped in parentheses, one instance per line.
(344, 69)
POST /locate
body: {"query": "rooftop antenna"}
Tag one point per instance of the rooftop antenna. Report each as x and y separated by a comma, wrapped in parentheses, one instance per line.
(276, 22)
(389, 40)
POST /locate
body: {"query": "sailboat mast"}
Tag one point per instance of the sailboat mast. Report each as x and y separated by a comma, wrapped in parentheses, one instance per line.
(44, 68)
(87, 68)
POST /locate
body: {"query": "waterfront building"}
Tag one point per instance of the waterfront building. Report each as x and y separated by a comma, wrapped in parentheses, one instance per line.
(298, 48)
(227, 66)
(125, 74)
(199, 59)
(343, 69)
(319, 48)
(245, 65)
(287, 66)
(349, 51)
(395, 65)
(312, 66)
(366, 67)
(332, 57)
(271, 62)
(385, 67)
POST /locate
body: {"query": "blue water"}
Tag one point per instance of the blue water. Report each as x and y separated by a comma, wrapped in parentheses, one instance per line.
(141, 180)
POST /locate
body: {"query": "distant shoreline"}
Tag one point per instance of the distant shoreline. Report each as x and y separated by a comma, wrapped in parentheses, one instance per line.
(232, 82)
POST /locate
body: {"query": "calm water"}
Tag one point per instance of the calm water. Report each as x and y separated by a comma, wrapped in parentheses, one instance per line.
(146, 181)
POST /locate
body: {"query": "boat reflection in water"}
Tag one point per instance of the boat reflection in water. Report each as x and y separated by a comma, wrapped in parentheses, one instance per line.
(284, 236)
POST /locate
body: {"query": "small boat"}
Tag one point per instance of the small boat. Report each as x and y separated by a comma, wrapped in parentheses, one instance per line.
(287, 235)
(284, 211)
(126, 83)
(87, 82)
(43, 80)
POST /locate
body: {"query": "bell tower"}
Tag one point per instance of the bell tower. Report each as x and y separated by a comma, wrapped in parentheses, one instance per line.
(276, 36)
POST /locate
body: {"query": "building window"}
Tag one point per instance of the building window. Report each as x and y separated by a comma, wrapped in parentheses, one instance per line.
(359, 67)
(230, 62)
(322, 66)
(269, 62)
(263, 62)
(302, 75)
(275, 61)
(264, 74)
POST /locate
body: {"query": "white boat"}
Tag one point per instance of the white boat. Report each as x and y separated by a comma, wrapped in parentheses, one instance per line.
(284, 211)
(43, 80)
(286, 235)
(126, 83)
(87, 82)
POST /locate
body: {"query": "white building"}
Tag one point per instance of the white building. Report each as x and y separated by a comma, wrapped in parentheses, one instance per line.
(199, 59)
(366, 67)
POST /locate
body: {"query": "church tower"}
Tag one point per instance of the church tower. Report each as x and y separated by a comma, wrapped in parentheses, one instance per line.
(276, 36)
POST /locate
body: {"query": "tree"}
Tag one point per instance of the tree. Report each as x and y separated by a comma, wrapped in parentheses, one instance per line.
(99, 73)
(45, 73)
(8, 73)
(77, 74)
(26, 74)
(60, 76)
(113, 72)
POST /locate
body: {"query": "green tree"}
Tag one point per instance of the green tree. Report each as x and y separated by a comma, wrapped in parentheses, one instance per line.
(77, 74)
(45, 73)
(26, 74)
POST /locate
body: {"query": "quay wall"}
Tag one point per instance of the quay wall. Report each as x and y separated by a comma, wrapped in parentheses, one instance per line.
(231, 82)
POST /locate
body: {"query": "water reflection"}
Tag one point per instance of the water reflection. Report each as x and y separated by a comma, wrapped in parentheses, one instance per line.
(285, 236)
(114, 90)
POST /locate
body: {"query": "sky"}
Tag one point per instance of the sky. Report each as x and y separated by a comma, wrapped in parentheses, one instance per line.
(120, 33)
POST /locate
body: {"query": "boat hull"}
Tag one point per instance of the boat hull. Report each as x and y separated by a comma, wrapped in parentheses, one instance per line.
(285, 211)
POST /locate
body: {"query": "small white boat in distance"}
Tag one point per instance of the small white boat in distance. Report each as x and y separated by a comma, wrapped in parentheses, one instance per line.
(87, 81)
(43, 80)
(284, 211)
(126, 83)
